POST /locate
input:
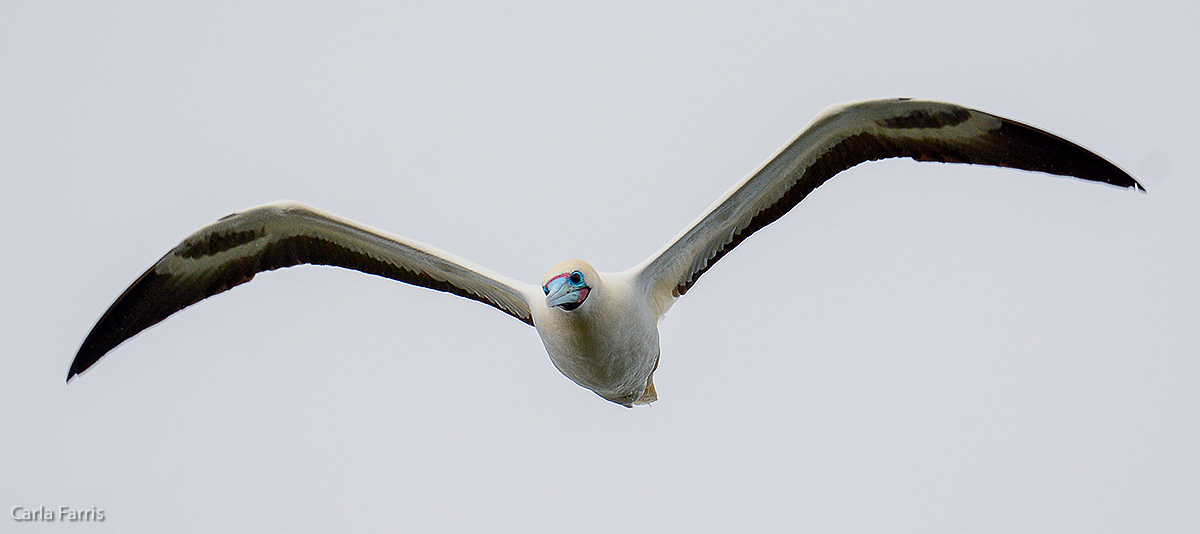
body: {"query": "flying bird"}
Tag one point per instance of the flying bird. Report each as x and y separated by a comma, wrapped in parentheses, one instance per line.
(600, 329)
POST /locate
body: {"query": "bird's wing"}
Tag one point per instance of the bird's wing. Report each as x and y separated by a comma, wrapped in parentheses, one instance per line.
(282, 234)
(842, 137)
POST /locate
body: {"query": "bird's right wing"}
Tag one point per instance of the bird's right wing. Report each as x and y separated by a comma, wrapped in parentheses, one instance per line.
(282, 234)
(842, 137)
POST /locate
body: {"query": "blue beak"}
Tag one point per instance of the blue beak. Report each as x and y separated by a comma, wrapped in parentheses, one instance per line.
(561, 293)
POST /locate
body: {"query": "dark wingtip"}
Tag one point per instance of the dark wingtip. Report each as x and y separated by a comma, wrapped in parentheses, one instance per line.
(79, 365)
(1120, 178)
(97, 343)
(138, 308)
(1042, 151)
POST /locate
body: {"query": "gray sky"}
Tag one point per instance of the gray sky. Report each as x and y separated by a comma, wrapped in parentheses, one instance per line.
(916, 347)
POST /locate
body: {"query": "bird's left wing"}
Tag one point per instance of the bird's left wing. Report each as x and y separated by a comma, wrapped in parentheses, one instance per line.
(282, 234)
(842, 137)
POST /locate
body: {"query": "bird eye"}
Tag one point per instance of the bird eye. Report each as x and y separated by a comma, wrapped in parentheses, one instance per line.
(576, 278)
(545, 290)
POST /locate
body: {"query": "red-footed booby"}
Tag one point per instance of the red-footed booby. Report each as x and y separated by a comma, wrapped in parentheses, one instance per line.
(600, 329)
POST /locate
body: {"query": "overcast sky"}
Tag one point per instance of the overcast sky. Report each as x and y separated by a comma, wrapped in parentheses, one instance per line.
(915, 347)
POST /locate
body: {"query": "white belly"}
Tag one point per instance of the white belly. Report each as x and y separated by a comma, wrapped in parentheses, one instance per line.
(608, 345)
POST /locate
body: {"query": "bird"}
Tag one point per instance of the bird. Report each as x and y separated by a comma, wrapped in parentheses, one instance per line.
(600, 329)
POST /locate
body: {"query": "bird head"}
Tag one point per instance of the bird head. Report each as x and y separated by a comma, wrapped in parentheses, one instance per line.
(568, 284)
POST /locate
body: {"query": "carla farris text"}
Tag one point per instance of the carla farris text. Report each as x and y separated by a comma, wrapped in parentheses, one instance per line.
(62, 513)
